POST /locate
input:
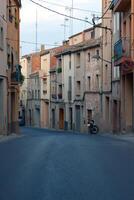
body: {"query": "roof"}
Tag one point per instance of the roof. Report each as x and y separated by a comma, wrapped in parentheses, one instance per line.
(54, 50)
(30, 55)
(86, 30)
(75, 34)
(81, 46)
(91, 28)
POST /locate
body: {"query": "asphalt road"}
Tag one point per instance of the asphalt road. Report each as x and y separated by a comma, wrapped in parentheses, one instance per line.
(46, 165)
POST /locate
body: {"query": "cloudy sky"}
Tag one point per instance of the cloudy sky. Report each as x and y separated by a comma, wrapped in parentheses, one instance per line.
(50, 25)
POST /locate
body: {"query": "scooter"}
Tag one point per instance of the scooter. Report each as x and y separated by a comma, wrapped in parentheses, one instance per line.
(92, 127)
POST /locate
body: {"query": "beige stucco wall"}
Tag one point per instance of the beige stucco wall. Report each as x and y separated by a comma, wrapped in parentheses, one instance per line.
(98, 33)
(23, 88)
(76, 39)
(45, 68)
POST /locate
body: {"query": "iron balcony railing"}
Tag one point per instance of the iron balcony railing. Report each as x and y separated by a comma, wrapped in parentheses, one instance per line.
(54, 96)
(122, 48)
(60, 96)
(16, 75)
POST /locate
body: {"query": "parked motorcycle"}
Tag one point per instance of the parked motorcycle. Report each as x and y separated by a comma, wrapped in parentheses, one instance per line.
(92, 127)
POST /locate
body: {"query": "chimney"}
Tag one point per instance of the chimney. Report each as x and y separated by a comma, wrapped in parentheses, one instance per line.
(42, 48)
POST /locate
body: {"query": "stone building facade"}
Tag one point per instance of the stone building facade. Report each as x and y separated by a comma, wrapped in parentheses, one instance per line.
(10, 70)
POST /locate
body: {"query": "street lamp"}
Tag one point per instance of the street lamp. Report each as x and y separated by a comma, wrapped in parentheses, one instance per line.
(97, 57)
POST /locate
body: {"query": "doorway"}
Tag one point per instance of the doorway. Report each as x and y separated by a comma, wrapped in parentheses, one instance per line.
(61, 118)
(78, 118)
(71, 118)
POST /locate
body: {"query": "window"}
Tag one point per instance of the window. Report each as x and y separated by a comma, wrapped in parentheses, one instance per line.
(60, 91)
(16, 22)
(12, 61)
(124, 29)
(38, 94)
(107, 112)
(78, 60)
(78, 87)
(35, 94)
(70, 83)
(89, 56)
(89, 83)
(106, 74)
(69, 61)
(97, 52)
(92, 34)
(1, 38)
(89, 115)
(32, 94)
(8, 60)
(59, 62)
(97, 81)
(10, 12)
(69, 88)
(116, 72)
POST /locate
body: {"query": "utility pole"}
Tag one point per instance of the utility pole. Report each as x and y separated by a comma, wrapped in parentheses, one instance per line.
(72, 18)
(86, 19)
(36, 34)
(65, 26)
(70, 14)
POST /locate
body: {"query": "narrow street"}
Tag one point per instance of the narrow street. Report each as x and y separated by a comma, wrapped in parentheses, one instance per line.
(46, 165)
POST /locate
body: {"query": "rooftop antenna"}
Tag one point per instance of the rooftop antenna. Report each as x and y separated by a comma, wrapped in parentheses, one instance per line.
(72, 18)
(36, 26)
(70, 13)
(65, 26)
(86, 19)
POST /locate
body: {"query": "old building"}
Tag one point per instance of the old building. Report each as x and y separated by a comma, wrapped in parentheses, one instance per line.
(10, 70)
(76, 71)
(30, 89)
(106, 66)
(49, 87)
(124, 59)
(3, 68)
(14, 76)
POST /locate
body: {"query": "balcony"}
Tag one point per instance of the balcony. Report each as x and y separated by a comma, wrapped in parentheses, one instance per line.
(59, 70)
(16, 75)
(121, 5)
(60, 96)
(54, 96)
(122, 53)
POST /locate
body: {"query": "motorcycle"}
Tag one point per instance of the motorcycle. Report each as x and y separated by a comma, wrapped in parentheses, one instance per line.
(92, 127)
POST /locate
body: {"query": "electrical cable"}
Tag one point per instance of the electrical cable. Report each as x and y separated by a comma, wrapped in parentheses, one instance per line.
(54, 11)
(74, 8)
(3, 18)
(105, 12)
(28, 42)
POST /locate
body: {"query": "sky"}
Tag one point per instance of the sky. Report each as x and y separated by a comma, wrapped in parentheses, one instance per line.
(50, 29)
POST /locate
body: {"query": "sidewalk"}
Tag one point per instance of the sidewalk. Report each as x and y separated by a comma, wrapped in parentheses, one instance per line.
(121, 136)
(4, 138)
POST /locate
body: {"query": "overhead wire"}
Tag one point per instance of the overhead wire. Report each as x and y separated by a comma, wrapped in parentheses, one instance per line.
(28, 42)
(65, 6)
(3, 18)
(105, 12)
(59, 13)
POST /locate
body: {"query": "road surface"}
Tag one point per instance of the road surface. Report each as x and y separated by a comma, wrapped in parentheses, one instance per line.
(47, 165)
